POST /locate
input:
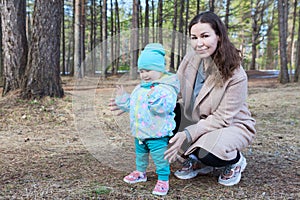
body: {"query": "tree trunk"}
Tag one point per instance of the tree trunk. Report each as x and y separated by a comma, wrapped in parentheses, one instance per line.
(134, 39)
(1, 57)
(270, 49)
(82, 37)
(212, 5)
(29, 6)
(63, 67)
(198, 7)
(284, 76)
(15, 48)
(180, 38)
(153, 20)
(104, 40)
(92, 36)
(172, 59)
(77, 42)
(297, 67)
(254, 36)
(112, 41)
(118, 31)
(160, 20)
(140, 21)
(146, 33)
(227, 14)
(290, 51)
(42, 71)
(184, 41)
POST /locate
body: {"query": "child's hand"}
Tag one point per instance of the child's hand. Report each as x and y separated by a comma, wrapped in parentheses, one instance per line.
(112, 104)
(113, 107)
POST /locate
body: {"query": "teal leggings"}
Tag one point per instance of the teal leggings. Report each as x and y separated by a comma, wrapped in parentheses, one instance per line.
(156, 147)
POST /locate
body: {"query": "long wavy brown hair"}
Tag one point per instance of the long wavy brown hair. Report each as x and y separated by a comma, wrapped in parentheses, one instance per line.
(226, 57)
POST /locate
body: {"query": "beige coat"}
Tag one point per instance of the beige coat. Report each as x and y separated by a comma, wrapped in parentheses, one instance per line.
(219, 121)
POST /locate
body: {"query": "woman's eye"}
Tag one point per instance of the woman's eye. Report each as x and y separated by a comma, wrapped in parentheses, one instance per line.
(194, 38)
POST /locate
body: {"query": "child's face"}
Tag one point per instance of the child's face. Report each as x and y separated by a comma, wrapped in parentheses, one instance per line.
(149, 75)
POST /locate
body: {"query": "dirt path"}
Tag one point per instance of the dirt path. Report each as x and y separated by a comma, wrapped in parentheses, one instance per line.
(75, 148)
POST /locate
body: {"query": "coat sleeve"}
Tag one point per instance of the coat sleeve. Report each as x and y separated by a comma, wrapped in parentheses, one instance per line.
(230, 105)
(123, 102)
(162, 101)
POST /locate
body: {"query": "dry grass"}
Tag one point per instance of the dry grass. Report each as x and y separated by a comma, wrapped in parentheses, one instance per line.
(47, 152)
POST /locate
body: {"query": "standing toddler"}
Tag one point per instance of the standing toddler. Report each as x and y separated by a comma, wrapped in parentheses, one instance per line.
(150, 106)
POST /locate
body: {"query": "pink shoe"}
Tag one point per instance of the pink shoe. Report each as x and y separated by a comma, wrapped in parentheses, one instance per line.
(135, 177)
(161, 188)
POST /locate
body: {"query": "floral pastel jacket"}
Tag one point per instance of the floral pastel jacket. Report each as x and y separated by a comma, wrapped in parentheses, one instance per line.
(152, 116)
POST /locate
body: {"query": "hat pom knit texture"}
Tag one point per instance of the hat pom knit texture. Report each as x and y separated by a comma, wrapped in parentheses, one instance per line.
(152, 58)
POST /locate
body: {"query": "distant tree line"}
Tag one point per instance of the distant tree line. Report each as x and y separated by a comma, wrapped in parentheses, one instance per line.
(42, 40)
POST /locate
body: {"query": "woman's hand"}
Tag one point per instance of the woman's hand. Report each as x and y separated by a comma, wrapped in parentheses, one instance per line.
(174, 151)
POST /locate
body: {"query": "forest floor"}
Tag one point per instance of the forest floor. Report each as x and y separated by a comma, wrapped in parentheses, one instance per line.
(75, 148)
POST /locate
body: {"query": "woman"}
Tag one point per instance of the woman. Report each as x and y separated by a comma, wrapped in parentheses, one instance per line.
(215, 121)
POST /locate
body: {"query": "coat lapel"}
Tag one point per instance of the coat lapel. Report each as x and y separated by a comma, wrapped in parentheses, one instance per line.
(207, 87)
(191, 72)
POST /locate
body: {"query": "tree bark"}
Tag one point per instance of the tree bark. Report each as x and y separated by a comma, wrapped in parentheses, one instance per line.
(212, 5)
(297, 67)
(112, 41)
(290, 51)
(172, 59)
(186, 24)
(118, 31)
(227, 14)
(271, 49)
(42, 71)
(180, 38)
(160, 21)
(63, 67)
(1, 57)
(284, 76)
(15, 47)
(77, 38)
(134, 39)
(82, 37)
(104, 39)
(153, 20)
(146, 33)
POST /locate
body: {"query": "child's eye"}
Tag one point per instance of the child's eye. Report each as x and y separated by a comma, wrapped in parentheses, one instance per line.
(194, 38)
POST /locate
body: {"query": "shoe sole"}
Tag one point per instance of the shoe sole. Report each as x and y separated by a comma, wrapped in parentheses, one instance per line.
(243, 167)
(137, 181)
(203, 171)
(159, 193)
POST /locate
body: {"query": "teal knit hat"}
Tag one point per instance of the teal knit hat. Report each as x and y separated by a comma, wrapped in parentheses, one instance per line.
(152, 58)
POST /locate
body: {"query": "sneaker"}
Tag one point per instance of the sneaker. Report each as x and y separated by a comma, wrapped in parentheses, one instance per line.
(161, 188)
(191, 168)
(135, 177)
(232, 173)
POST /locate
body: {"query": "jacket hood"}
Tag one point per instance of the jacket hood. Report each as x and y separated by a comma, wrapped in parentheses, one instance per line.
(169, 79)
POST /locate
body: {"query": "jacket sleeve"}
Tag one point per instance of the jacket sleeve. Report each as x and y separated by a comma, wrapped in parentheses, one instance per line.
(163, 99)
(123, 102)
(232, 101)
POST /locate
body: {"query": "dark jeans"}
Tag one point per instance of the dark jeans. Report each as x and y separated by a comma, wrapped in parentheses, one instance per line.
(204, 156)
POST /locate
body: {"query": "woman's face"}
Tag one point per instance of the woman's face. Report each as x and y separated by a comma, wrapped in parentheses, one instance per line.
(204, 39)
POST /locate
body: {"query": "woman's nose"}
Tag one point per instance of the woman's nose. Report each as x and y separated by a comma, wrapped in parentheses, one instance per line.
(199, 42)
